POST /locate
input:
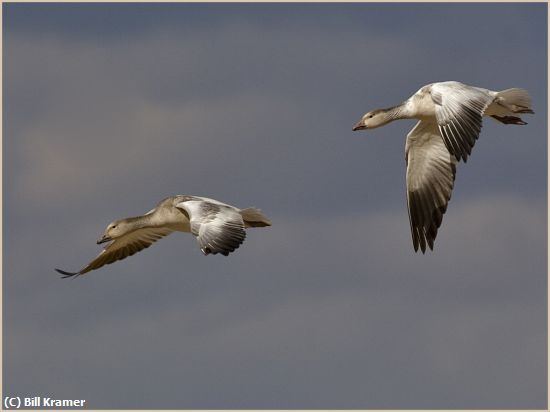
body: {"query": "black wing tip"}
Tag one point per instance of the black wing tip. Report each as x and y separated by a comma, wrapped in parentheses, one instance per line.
(67, 274)
(423, 244)
(423, 248)
(225, 252)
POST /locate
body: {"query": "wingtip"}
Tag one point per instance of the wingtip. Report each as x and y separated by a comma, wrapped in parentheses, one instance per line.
(420, 247)
(423, 248)
(67, 274)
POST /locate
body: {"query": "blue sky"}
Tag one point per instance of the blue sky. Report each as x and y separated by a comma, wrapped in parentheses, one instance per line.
(108, 108)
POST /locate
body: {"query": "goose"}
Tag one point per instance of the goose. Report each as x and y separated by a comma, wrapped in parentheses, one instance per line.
(218, 227)
(449, 118)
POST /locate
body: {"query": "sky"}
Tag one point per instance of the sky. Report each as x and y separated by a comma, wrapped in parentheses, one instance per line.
(108, 108)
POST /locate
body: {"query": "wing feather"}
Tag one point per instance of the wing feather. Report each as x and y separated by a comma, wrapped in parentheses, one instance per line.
(121, 248)
(430, 178)
(459, 110)
(219, 228)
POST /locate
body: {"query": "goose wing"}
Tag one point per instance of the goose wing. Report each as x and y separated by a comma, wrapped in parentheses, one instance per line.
(219, 228)
(458, 110)
(430, 178)
(122, 247)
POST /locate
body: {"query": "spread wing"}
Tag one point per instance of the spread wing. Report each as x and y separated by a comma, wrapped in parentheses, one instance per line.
(459, 110)
(121, 248)
(430, 178)
(219, 228)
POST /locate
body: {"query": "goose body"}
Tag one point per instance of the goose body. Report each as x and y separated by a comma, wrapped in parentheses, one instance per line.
(449, 118)
(218, 227)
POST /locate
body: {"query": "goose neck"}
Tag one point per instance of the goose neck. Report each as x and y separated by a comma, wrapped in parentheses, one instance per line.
(397, 112)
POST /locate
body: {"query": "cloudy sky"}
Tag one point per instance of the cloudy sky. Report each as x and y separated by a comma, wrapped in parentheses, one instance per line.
(109, 108)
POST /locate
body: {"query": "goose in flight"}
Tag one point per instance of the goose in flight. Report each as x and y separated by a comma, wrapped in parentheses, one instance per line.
(449, 115)
(219, 228)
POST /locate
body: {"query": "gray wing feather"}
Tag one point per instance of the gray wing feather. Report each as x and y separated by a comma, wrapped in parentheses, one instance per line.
(431, 171)
(219, 228)
(459, 110)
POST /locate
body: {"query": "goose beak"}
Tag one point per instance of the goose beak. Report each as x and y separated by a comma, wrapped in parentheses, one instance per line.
(104, 239)
(359, 126)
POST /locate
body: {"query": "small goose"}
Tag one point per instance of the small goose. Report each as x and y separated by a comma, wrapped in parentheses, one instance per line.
(219, 228)
(449, 115)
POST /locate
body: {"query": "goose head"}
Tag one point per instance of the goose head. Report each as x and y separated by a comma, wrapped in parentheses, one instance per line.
(114, 230)
(372, 120)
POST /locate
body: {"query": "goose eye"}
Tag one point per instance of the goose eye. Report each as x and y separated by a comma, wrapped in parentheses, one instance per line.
(370, 117)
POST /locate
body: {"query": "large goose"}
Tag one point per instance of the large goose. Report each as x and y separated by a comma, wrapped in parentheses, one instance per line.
(219, 228)
(449, 115)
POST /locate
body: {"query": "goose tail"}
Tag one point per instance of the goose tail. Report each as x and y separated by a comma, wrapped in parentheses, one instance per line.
(254, 218)
(516, 100)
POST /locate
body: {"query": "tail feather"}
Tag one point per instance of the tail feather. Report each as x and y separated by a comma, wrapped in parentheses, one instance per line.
(254, 218)
(516, 100)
